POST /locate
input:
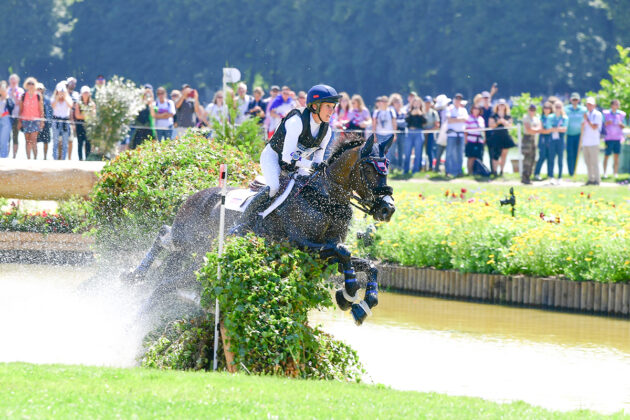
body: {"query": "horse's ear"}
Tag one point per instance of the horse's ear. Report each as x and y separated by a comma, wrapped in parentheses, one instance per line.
(367, 147)
(384, 147)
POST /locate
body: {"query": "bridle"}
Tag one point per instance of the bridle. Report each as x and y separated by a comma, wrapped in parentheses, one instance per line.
(372, 205)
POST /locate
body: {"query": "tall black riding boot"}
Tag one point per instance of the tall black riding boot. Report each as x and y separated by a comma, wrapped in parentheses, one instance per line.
(248, 219)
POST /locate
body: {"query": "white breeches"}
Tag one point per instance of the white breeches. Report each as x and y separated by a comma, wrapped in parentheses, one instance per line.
(269, 163)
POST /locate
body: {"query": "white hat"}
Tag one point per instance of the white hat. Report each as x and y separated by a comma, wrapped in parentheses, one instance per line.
(84, 89)
(591, 100)
(61, 87)
(441, 101)
(40, 86)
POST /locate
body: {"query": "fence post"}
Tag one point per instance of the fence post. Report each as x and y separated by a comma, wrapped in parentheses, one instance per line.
(217, 313)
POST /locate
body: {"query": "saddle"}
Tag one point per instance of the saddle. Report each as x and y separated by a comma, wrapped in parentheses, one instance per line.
(239, 199)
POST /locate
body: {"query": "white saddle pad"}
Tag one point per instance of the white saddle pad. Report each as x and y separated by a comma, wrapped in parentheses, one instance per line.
(238, 200)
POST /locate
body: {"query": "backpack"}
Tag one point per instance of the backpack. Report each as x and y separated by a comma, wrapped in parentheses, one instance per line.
(480, 169)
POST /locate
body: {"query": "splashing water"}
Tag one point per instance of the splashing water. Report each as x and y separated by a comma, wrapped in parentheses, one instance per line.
(45, 317)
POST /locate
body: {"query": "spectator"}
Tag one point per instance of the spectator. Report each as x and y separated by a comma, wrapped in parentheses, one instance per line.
(614, 124)
(556, 126)
(544, 140)
(575, 112)
(591, 129)
(279, 108)
(500, 140)
(432, 123)
(412, 95)
(71, 84)
(44, 135)
(145, 129)
(398, 152)
(31, 115)
(256, 107)
(384, 122)
(342, 113)
(457, 117)
(301, 98)
(217, 110)
(441, 106)
(99, 83)
(175, 95)
(84, 107)
(6, 109)
(414, 120)
(15, 92)
(274, 91)
(61, 106)
(164, 113)
(242, 102)
(532, 126)
(188, 109)
(359, 116)
(474, 137)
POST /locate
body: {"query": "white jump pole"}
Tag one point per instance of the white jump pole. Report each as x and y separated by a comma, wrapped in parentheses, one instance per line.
(217, 313)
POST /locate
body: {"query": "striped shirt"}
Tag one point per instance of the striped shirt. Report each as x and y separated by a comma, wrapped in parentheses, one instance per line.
(473, 124)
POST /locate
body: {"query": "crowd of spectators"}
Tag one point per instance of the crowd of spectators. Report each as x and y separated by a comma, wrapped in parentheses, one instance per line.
(424, 128)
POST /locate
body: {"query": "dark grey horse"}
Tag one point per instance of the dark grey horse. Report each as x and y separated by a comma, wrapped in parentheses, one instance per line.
(315, 216)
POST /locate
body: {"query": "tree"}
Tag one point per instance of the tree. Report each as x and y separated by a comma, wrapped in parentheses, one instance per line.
(618, 87)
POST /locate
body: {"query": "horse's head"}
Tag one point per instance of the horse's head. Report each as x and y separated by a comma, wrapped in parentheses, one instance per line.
(363, 171)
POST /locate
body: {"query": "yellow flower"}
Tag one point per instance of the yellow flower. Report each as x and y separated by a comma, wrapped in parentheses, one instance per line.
(569, 259)
(626, 263)
(588, 259)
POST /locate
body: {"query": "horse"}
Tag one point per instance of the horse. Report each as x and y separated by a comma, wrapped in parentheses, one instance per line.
(316, 215)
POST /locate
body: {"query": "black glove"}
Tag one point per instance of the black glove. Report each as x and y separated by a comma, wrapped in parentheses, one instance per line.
(318, 166)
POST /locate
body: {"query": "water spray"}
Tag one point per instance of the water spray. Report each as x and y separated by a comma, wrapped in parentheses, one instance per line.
(223, 186)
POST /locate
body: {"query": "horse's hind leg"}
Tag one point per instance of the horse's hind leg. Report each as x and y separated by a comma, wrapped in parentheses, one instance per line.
(162, 241)
(348, 295)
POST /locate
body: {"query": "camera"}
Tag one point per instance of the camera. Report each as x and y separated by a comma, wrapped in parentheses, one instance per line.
(192, 93)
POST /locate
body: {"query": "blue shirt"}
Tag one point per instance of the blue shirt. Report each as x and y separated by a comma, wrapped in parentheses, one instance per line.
(576, 116)
(556, 121)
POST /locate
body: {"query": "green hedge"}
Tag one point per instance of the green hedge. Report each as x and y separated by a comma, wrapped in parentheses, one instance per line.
(142, 189)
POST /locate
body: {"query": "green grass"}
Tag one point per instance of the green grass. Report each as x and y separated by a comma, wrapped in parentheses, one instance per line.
(40, 391)
(561, 194)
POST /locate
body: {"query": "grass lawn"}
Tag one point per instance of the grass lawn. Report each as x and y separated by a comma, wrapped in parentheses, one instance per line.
(44, 391)
(561, 194)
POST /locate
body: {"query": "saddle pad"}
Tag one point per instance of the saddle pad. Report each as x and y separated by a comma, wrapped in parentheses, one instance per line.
(237, 200)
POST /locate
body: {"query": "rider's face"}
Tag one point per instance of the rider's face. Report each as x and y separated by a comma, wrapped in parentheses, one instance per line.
(325, 111)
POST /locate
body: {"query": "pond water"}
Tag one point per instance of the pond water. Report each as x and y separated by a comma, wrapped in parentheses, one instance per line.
(556, 360)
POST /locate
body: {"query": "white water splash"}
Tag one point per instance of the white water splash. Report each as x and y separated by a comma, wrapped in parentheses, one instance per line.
(44, 318)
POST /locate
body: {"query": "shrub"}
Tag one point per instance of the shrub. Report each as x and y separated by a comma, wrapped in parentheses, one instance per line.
(583, 239)
(117, 104)
(265, 293)
(70, 217)
(141, 190)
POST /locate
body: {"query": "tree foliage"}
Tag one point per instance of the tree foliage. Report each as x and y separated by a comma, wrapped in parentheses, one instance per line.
(365, 47)
(618, 86)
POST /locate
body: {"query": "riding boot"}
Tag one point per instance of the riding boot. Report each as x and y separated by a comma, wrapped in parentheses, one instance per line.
(248, 219)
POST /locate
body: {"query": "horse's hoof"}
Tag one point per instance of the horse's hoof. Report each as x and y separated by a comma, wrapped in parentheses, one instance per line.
(360, 311)
(371, 299)
(342, 302)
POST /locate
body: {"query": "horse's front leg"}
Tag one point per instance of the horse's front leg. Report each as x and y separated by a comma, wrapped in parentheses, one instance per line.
(370, 298)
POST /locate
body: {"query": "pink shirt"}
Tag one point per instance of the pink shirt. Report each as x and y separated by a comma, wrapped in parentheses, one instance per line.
(614, 131)
(30, 107)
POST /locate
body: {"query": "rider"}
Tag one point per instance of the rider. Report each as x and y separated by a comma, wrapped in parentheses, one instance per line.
(298, 144)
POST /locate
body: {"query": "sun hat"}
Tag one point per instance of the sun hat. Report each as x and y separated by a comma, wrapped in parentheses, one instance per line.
(85, 89)
(575, 95)
(590, 100)
(441, 101)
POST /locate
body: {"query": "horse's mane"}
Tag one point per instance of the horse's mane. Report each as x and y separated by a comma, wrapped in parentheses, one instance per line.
(344, 143)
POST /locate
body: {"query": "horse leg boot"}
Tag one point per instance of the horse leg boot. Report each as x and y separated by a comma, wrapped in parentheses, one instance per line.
(248, 219)
(348, 295)
(162, 241)
(361, 310)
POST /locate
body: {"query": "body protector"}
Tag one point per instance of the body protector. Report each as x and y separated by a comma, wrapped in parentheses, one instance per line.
(307, 144)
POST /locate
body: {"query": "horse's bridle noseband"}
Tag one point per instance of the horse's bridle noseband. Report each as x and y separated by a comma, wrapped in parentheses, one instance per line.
(382, 190)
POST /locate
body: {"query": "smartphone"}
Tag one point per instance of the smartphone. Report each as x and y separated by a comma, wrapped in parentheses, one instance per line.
(495, 85)
(192, 94)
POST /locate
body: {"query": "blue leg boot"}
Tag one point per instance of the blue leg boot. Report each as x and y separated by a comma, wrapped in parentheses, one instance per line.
(360, 311)
(348, 295)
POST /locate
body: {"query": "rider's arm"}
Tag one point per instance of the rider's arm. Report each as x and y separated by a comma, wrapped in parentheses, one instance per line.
(318, 156)
(293, 127)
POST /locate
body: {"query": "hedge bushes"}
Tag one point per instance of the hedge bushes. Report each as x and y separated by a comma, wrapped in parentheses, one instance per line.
(141, 190)
(266, 292)
(570, 235)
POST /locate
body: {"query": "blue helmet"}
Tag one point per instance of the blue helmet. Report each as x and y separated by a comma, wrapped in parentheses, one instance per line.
(321, 93)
